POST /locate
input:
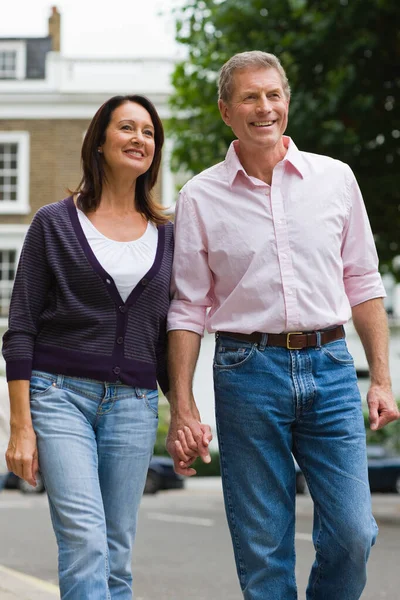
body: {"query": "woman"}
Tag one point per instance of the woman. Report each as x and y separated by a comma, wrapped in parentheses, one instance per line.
(86, 345)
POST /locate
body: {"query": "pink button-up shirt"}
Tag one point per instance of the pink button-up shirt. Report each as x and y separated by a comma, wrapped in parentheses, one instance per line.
(291, 256)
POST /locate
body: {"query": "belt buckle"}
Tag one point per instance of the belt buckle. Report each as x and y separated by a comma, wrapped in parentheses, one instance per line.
(288, 346)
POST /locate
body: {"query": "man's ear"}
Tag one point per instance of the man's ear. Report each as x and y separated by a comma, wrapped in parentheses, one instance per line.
(224, 110)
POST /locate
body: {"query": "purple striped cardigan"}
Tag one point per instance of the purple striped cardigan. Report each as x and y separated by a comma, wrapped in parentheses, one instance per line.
(67, 317)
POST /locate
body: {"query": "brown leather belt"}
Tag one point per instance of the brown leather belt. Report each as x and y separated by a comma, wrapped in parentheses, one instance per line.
(294, 340)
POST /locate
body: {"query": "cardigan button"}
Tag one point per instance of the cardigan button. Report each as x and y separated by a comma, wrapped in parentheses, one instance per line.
(108, 281)
(122, 308)
(145, 281)
(116, 370)
(120, 340)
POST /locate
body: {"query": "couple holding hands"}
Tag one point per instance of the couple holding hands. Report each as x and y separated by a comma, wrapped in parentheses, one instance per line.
(272, 251)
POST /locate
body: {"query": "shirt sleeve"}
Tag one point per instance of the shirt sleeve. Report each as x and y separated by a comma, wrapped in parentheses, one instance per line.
(191, 283)
(31, 286)
(362, 279)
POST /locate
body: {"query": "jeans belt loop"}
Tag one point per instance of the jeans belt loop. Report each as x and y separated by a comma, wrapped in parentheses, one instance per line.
(263, 343)
(59, 382)
(318, 344)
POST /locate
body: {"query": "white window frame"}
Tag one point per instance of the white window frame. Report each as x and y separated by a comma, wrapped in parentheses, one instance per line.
(20, 67)
(12, 238)
(20, 206)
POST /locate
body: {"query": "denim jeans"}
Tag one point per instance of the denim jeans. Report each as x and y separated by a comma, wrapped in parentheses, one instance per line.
(95, 441)
(271, 402)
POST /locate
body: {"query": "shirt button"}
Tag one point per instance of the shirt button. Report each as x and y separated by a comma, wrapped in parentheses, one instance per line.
(116, 370)
(120, 340)
(284, 256)
(290, 292)
(144, 281)
(122, 308)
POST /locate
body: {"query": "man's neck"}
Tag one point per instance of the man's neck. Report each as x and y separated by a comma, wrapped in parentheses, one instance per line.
(259, 162)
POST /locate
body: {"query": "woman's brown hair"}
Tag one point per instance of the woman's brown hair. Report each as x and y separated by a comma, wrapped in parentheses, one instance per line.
(91, 184)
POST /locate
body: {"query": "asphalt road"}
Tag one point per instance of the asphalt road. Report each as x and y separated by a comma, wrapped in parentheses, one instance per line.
(183, 549)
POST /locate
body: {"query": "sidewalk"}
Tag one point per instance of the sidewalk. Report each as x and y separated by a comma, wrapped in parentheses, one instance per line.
(18, 586)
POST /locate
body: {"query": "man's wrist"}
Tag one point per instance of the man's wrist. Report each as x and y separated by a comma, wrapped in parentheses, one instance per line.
(381, 383)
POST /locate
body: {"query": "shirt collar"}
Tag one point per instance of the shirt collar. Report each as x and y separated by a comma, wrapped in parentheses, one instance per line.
(293, 156)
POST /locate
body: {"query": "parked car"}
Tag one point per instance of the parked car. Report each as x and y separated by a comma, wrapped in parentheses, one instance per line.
(383, 471)
(160, 476)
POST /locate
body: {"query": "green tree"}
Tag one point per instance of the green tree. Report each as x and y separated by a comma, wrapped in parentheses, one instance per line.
(342, 58)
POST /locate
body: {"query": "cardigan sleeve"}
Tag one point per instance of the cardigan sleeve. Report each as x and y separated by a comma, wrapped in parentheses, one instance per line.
(162, 367)
(29, 296)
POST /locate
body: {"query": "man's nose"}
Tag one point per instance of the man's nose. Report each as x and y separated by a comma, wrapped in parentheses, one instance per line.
(263, 104)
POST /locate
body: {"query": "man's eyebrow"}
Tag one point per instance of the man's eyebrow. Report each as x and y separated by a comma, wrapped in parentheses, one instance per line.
(256, 91)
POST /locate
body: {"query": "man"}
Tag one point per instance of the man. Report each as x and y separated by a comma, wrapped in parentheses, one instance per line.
(276, 243)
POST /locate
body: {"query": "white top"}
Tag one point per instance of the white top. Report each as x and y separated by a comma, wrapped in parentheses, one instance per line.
(126, 262)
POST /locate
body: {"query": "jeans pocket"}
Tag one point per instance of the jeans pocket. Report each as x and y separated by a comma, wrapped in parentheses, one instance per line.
(230, 356)
(40, 383)
(150, 398)
(338, 352)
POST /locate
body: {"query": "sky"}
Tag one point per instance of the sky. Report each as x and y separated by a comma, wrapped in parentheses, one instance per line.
(102, 28)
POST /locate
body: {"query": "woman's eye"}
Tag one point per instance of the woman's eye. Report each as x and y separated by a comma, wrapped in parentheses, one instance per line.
(127, 127)
(148, 132)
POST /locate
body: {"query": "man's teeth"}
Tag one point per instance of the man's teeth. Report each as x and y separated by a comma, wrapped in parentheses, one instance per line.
(263, 123)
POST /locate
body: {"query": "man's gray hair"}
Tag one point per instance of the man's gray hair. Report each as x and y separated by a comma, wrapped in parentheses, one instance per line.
(244, 60)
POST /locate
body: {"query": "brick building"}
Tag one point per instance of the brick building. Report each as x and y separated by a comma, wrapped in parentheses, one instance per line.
(46, 103)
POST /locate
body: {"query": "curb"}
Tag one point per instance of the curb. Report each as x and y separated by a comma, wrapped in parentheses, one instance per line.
(25, 587)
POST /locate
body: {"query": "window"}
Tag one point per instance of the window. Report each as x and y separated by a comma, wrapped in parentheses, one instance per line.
(8, 260)
(11, 241)
(8, 64)
(14, 172)
(12, 60)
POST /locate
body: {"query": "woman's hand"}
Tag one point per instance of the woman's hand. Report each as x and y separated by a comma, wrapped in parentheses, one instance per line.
(22, 455)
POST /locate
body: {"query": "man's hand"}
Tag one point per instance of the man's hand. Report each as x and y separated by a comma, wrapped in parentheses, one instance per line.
(187, 439)
(382, 406)
(22, 455)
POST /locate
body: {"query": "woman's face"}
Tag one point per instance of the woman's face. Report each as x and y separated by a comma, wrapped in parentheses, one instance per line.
(129, 145)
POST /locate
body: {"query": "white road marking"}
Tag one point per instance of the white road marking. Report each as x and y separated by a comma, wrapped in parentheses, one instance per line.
(181, 519)
(44, 586)
(306, 537)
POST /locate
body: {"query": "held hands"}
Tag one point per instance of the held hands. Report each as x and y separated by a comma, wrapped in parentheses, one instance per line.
(382, 406)
(22, 455)
(187, 439)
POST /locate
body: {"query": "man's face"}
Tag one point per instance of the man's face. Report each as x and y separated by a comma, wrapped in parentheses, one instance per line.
(257, 111)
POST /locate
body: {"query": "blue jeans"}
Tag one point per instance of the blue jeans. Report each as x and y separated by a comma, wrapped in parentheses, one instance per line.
(271, 402)
(95, 441)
